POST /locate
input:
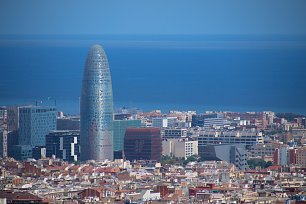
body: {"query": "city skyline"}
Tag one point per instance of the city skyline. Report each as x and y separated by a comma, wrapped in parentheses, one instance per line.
(153, 101)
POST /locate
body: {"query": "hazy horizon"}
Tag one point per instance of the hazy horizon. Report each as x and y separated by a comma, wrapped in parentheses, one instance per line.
(195, 53)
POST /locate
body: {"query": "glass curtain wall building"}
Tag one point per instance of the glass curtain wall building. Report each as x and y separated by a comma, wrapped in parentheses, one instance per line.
(35, 123)
(142, 144)
(96, 108)
(64, 144)
(120, 127)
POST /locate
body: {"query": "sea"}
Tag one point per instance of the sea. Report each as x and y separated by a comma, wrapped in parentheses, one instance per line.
(181, 72)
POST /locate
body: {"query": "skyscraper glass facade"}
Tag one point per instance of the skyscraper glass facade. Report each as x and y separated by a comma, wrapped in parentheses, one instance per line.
(64, 144)
(96, 108)
(142, 144)
(35, 123)
(120, 127)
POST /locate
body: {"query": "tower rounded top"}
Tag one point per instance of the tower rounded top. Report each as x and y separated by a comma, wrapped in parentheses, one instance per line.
(96, 48)
(96, 107)
(96, 51)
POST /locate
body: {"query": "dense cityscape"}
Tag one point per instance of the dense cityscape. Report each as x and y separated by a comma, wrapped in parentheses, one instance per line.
(131, 156)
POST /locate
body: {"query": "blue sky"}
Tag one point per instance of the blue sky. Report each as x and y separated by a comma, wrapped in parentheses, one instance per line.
(153, 17)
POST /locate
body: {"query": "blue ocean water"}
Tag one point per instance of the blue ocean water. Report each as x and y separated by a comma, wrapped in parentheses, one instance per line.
(194, 73)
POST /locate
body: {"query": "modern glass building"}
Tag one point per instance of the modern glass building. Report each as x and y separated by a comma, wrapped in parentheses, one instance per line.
(35, 123)
(64, 144)
(142, 144)
(21, 152)
(96, 108)
(3, 143)
(120, 127)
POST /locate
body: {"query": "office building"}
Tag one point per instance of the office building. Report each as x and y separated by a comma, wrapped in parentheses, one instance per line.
(118, 154)
(3, 132)
(119, 127)
(21, 152)
(159, 122)
(12, 118)
(172, 121)
(142, 144)
(122, 116)
(235, 154)
(173, 133)
(35, 123)
(199, 120)
(230, 137)
(163, 122)
(68, 123)
(39, 152)
(214, 123)
(3, 143)
(262, 150)
(96, 108)
(12, 140)
(63, 144)
(182, 148)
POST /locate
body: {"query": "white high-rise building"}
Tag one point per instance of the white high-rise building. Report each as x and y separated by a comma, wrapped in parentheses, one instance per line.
(180, 147)
(159, 122)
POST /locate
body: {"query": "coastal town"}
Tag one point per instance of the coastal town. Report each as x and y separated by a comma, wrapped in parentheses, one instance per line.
(212, 157)
(153, 102)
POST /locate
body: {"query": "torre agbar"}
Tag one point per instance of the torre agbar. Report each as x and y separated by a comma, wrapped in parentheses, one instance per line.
(96, 108)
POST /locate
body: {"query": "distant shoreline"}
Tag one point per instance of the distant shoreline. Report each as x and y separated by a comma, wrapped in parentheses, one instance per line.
(71, 107)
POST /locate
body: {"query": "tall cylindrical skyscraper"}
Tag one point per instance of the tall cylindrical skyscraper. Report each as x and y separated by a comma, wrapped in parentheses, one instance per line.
(96, 108)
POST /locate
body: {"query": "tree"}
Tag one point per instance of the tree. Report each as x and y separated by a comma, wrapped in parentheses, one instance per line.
(288, 116)
(269, 163)
(191, 158)
(253, 163)
(169, 160)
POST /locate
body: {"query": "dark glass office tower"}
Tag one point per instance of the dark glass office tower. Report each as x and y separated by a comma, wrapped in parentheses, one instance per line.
(142, 144)
(96, 108)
